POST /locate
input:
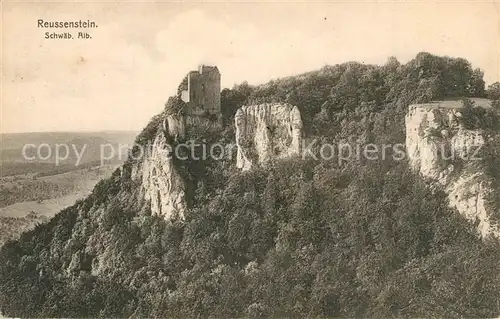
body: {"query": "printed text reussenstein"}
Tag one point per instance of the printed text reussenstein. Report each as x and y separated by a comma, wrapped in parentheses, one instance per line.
(66, 24)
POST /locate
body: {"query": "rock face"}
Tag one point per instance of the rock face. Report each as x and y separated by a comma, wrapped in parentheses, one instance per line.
(265, 132)
(161, 184)
(446, 153)
(175, 125)
(197, 105)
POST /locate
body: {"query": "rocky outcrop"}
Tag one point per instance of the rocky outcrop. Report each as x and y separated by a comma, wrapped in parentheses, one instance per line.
(161, 184)
(195, 108)
(175, 125)
(444, 152)
(178, 123)
(265, 132)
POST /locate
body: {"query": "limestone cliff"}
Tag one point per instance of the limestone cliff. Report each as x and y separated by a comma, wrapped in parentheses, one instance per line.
(161, 183)
(442, 150)
(196, 107)
(175, 125)
(267, 131)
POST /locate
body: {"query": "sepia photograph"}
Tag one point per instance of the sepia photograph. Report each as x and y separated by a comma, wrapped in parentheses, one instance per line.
(250, 159)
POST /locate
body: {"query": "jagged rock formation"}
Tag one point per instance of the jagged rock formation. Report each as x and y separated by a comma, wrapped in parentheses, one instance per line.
(442, 150)
(267, 131)
(161, 183)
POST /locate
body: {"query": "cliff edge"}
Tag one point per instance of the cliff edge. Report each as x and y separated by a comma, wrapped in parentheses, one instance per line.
(161, 183)
(265, 132)
(443, 150)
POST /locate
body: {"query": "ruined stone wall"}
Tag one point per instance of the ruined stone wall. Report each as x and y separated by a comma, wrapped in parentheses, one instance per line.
(202, 94)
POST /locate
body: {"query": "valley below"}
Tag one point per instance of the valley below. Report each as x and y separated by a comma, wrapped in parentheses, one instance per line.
(25, 202)
(35, 186)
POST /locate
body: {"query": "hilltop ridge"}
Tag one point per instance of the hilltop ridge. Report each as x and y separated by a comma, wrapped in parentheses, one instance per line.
(292, 238)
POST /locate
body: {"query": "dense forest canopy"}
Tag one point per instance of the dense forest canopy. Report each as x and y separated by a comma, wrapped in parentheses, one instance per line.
(298, 238)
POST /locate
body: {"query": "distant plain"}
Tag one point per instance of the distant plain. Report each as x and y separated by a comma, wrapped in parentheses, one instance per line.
(33, 190)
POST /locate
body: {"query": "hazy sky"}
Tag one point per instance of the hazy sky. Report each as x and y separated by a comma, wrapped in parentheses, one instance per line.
(140, 51)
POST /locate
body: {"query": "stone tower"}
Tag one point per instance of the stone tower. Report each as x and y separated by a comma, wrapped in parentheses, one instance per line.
(200, 90)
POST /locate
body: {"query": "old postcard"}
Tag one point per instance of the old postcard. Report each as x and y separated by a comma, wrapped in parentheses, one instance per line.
(250, 159)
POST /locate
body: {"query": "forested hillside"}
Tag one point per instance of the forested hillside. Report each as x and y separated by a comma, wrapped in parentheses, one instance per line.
(299, 238)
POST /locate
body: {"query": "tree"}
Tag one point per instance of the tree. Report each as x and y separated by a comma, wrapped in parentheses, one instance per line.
(493, 91)
(476, 84)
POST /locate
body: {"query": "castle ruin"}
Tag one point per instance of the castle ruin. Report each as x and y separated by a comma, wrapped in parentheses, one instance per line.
(200, 90)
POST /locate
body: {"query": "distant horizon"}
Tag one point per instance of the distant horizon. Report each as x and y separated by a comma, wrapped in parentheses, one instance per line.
(136, 131)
